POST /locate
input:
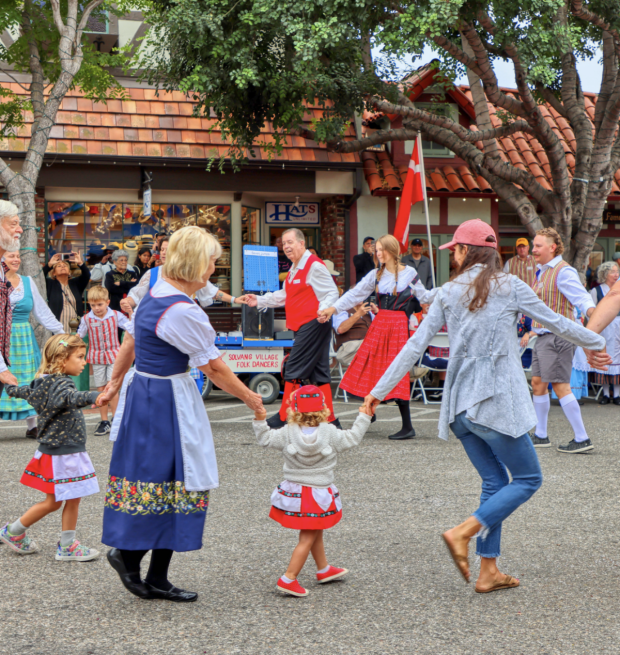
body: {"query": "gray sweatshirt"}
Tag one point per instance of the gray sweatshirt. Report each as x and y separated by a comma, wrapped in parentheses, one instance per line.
(311, 465)
(62, 428)
(485, 376)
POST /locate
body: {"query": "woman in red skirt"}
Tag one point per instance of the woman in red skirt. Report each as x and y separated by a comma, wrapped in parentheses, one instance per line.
(395, 286)
(308, 500)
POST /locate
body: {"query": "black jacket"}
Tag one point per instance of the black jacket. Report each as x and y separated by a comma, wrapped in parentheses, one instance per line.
(119, 291)
(62, 428)
(363, 263)
(141, 269)
(77, 286)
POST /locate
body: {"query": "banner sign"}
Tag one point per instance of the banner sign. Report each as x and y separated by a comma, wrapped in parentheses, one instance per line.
(286, 213)
(611, 216)
(250, 360)
(146, 203)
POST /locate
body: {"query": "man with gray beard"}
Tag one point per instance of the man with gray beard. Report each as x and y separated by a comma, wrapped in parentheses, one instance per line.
(10, 231)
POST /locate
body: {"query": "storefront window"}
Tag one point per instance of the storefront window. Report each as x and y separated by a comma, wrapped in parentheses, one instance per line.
(216, 220)
(250, 226)
(92, 227)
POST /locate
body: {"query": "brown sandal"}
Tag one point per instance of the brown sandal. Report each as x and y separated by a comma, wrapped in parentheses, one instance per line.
(457, 559)
(509, 583)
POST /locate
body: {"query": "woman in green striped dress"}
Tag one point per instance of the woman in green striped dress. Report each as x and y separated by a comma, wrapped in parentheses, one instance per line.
(25, 354)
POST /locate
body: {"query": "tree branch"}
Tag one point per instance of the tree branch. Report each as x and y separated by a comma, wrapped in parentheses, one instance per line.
(578, 11)
(60, 26)
(610, 74)
(88, 10)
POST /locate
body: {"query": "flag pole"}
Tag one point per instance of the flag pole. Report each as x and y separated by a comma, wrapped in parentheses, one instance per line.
(428, 222)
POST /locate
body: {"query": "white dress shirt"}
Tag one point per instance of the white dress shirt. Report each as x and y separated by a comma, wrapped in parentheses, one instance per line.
(40, 310)
(123, 322)
(569, 285)
(366, 287)
(204, 296)
(318, 278)
(185, 326)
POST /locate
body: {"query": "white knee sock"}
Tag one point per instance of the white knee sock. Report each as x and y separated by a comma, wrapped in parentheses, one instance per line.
(606, 390)
(616, 390)
(572, 411)
(541, 407)
(31, 422)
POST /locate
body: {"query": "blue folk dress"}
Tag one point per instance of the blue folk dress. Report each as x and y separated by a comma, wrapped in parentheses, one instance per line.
(25, 354)
(163, 461)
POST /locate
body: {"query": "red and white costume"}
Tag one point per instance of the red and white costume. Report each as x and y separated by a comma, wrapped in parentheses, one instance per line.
(308, 288)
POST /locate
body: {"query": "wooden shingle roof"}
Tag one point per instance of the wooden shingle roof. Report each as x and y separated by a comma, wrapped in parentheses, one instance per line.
(157, 125)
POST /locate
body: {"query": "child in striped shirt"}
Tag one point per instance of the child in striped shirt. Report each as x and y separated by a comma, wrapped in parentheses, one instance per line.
(102, 326)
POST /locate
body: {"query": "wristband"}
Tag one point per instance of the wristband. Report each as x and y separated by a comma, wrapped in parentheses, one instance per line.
(232, 300)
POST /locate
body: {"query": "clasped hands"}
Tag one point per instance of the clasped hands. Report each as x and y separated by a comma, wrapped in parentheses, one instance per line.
(598, 359)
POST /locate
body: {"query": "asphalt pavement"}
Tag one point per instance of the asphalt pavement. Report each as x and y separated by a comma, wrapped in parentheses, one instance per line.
(402, 595)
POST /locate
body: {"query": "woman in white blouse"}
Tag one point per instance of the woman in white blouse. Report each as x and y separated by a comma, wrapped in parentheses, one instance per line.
(607, 274)
(25, 355)
(395, 286)
(163, 462)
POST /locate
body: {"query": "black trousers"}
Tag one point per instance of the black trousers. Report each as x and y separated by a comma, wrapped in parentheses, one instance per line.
(309, 358)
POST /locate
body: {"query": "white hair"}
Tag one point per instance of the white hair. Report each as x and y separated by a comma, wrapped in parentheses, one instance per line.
(117, 254)
(604, 270)
(299, 235)
(7, 210)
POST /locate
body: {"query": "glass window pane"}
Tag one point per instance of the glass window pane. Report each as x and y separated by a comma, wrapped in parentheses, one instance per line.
(65, 223)
(215, 219)
(250, 226)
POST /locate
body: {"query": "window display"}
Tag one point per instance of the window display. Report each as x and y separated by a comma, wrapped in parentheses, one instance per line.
(92, 227)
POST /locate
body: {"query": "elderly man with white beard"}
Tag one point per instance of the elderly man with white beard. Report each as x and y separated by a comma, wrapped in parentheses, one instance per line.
(10, 230)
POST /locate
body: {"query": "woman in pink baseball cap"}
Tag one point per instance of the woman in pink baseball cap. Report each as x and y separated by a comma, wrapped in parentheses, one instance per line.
(486, 400)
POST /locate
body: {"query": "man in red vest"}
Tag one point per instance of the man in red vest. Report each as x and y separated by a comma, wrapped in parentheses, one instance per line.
(308, 288)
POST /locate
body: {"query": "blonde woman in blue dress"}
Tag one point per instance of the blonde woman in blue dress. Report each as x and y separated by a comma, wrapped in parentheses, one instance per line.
(25, 300)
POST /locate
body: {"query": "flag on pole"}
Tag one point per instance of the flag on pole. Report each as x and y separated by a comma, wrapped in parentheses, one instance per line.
(413, 191)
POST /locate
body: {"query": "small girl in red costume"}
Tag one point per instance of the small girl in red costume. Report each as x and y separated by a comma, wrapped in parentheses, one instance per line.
(307, 500)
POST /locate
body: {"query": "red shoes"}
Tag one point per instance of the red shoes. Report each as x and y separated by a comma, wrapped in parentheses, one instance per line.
(332, 573)
(291, 588)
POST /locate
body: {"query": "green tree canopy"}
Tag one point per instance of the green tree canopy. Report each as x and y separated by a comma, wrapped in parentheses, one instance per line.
(257, 61)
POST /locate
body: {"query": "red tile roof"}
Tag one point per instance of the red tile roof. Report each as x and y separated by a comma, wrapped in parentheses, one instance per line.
(156, 125)
(521, 150)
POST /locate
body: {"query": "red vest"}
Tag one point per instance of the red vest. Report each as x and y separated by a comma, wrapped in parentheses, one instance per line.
(301, 303)
(103, 343)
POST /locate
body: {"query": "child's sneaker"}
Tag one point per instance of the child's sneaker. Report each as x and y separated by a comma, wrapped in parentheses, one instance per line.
(103, 428)
(291, 588)
(76, 553)
(21, 544)
(332, 573)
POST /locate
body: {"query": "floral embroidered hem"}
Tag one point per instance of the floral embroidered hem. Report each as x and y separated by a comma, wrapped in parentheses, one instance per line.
(142, 498)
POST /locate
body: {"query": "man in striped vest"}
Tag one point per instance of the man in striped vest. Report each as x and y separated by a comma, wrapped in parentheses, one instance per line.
(523, 265)
(559, 287)
(102, 325)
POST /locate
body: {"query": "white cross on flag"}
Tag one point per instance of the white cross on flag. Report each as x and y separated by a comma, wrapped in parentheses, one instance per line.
(413, 191)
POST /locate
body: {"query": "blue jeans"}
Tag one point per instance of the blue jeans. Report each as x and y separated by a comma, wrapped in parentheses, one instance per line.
(492, 453)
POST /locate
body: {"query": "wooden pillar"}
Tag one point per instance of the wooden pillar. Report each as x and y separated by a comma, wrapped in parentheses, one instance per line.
(236, 247)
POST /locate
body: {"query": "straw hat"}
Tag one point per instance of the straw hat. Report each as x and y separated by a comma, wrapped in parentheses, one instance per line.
(330, 267)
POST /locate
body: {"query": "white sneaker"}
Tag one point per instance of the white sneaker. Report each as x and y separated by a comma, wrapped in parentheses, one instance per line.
(76, 553)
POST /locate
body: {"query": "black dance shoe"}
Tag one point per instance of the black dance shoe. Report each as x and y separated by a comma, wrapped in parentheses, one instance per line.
(616, 400)
(275, 422)
(374, 418)
(604, 400)
(402, 435)
(139, 589)
(173, 594)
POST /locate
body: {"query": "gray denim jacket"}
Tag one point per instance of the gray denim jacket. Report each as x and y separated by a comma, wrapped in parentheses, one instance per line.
(485, 377)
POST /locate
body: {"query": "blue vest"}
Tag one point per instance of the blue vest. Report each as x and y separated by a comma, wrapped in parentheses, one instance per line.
(153, 355)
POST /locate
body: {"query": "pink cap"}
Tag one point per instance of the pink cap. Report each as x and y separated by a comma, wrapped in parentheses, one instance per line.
(473, 233)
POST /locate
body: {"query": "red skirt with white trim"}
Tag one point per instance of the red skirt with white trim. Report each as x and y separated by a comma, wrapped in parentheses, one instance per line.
(65, 476)
(305, 508)
(386, 337)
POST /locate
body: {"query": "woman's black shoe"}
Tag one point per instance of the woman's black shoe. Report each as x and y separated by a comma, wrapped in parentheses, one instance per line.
(616, 400)
(374, 417)
(402, 435)
(173, 594)
(604, 400)
(139, 589)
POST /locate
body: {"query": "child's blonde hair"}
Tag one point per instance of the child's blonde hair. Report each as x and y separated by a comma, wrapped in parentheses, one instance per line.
(308, 419)
(56, 352)
(98, 293)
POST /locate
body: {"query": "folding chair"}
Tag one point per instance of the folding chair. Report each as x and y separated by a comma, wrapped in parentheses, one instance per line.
(440, 340)
(338, 366)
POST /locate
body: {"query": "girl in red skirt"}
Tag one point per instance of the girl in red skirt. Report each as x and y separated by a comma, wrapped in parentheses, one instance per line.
(61, 467)
(307, 500)
(395, 286)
